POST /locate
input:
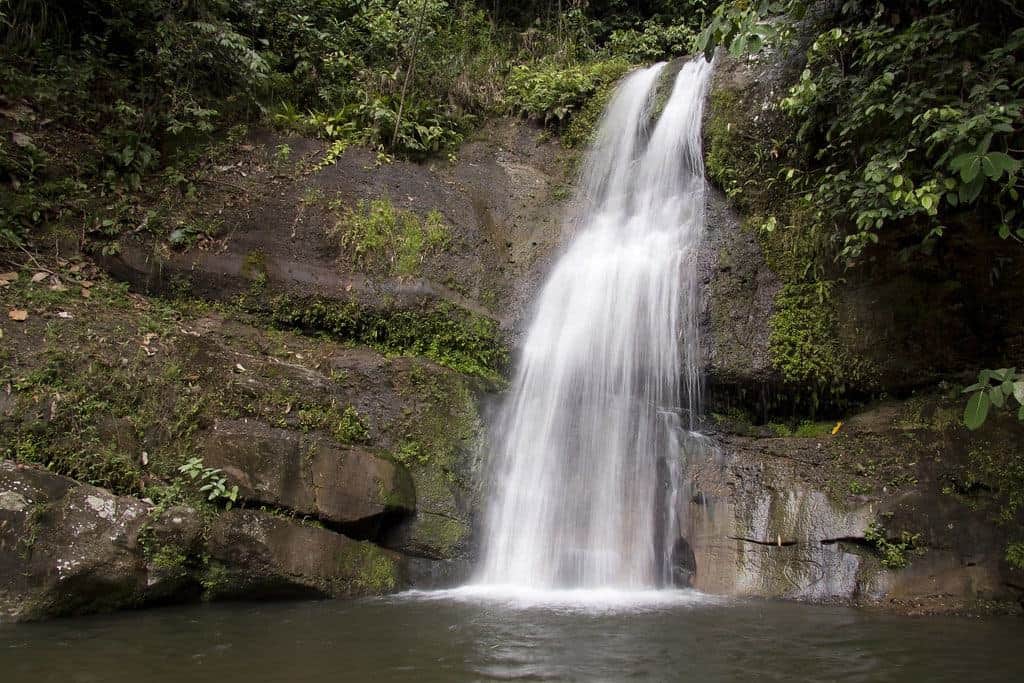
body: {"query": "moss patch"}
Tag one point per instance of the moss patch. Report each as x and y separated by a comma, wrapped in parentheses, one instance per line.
(804, 345)
(458, 339)
(369, 569)
(383, 238)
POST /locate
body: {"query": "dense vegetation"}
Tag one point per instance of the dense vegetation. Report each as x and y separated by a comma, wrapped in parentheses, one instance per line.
(910, 117)
(103, 100)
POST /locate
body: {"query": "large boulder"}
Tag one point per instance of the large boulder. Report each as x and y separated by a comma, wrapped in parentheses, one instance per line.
(265, 556)
(344, 486)
(69, 548)
(66, 548)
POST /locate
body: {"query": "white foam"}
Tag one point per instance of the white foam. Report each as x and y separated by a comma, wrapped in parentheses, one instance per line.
(574, 600)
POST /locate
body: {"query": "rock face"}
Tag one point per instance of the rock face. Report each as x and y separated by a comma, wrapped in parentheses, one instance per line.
(900, 321)
(858, 517)
(284, 226)
(738, 302)
(346, 487)
(337, 386)
(902, 506)
(68, 548)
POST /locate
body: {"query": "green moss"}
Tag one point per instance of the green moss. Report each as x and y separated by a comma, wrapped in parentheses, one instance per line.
(215, 579)
(384, 238)
(445, 534)
(254, 267)
(346, 426)
(804, 346)
(583, 125)
(999, 469)
(453, 337)
(369, 569)
(808, 429)
(727, 157)
(171, 560)
(1015, 555)
(27, 539)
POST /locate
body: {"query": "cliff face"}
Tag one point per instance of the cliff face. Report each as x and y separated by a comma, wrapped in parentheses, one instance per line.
(877, 494)
(325, 337)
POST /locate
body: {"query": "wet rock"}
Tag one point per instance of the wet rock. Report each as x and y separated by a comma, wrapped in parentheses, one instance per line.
(259, 555)
(799, 518)
(684, 564)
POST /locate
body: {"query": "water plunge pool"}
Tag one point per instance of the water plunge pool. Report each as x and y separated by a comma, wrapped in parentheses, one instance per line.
(494, 635)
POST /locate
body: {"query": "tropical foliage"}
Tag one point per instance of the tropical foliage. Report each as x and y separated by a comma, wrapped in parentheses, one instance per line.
(910, 117)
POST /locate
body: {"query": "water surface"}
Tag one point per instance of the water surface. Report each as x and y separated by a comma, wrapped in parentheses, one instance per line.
(462, 636)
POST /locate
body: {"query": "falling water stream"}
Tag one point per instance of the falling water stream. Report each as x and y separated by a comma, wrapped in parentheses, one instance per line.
(607, 384)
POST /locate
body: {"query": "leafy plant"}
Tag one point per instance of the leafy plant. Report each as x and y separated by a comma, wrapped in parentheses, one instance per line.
(379, 234)
(998, 388)
(551, 92)
(212, 482)
(894, 554)
(909, 116)
(1015, 555)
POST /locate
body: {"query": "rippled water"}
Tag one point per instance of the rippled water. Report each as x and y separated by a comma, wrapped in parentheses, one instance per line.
(490, 636)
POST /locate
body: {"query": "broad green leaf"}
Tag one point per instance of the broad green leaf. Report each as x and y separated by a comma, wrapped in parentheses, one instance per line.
(969, 165)
(976, 410)
(738, 46)
(970, 191)
(1006, 387)
(1018, 391)
(998, 163)
(995, 394)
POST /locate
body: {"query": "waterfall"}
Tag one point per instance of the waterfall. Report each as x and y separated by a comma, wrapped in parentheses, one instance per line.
(588, 446)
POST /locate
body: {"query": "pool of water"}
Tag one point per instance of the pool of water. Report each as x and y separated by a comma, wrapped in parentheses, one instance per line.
(494, 635)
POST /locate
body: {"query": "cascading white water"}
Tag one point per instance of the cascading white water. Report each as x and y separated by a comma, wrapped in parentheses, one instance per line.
(588, 446)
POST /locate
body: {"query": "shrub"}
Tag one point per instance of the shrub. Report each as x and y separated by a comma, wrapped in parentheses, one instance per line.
(551, 92)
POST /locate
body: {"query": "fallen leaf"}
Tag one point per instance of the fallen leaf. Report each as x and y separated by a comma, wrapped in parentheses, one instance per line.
(85, 293)
(835, 430)
(21, 140)
(18, 314)
(238, 367)
(8, 277)
(246, 148)
(87, 283)
(39, 277)
(148, 338)
(58, 287)
(65, 314)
